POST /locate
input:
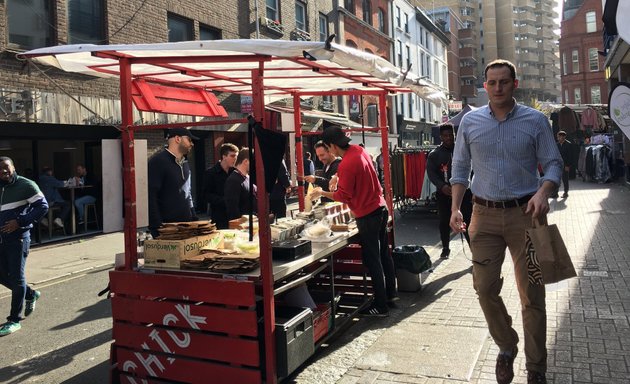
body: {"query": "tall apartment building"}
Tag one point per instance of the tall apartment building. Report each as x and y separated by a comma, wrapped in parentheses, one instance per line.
(582, 67)
(521, 31)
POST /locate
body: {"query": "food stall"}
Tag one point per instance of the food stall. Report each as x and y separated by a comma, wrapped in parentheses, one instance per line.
(176, 325)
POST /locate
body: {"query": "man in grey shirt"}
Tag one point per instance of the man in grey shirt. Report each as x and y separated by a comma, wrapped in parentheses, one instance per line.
(504, 142)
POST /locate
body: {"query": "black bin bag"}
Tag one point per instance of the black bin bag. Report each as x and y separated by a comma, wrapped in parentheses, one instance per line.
(412, 258)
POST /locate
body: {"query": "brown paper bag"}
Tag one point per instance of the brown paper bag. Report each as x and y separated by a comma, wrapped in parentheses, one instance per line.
(548, 258)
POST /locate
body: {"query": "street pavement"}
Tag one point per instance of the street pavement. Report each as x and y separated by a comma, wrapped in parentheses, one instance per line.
(439, 334)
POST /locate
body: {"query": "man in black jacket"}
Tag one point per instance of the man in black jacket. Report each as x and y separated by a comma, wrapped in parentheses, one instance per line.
(568, 157)
(439, 172)
(170, 197)
(237, 201)
(331, 163)
(214, 184)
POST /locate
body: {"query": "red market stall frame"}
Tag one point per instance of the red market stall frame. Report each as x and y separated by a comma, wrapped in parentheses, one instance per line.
(187, 326)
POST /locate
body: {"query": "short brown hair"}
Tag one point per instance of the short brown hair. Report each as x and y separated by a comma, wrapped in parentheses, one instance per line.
(501, 63)
(227, 148)
(243, 155)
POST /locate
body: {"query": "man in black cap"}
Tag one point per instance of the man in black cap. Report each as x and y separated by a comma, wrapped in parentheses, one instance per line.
(170, 197)
(359, 187)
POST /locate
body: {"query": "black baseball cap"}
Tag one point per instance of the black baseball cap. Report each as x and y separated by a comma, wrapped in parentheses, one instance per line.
(335, 135)
(179, 132)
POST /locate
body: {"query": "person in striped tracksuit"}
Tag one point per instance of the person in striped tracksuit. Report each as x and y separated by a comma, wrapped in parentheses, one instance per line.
(21, 205)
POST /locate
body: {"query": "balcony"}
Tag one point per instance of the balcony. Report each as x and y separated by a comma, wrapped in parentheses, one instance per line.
(466, 34)
(467, 72)
(468, 52)
(273, 25)
(299, 35)
(468, 91)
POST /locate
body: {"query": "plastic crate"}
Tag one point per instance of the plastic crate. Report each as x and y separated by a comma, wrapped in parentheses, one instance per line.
(322, 321)
(294, 338)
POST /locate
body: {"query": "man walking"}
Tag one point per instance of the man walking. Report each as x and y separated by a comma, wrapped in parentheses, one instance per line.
(358, 186)
(21, 205)
(567, 152)
(504, 142)
(170, 197)
(237, 199)
(439, 172)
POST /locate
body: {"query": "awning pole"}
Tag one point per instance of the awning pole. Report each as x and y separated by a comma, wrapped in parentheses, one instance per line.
(129, 166)
(299, 149)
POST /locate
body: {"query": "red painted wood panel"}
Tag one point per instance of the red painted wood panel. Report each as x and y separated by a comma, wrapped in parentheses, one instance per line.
(125, 379)
(206, 318)
(182, 369)
(191, 344)
(183, 287)
(159, 98)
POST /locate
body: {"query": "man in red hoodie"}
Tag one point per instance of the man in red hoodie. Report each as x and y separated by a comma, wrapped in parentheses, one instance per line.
(359, 187)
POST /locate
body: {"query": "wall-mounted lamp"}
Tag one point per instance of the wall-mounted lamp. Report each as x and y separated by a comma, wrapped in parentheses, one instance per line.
(5, 145)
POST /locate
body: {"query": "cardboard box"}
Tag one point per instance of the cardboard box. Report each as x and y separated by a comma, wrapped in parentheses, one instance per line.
(168, 253)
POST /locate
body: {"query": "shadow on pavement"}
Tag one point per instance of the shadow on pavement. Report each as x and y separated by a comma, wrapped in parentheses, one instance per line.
(93, 375)
(100, 310)
(48, 362)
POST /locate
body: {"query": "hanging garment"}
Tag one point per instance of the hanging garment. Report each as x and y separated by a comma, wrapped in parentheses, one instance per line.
(567, 120)
(588, 119)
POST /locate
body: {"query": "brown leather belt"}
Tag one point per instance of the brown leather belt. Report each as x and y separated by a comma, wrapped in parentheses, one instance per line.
(502, 204)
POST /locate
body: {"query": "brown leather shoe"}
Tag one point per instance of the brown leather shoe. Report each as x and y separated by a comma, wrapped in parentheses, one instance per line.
(505, 367)
(536, 378)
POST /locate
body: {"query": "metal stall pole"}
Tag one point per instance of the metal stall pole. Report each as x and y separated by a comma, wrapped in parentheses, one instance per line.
(264, 238)
(382, 115)
(299, 149)
(129, 166)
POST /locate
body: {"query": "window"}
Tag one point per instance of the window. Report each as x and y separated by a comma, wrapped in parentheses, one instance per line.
(349, 5)
(179, 28)
(399, 52)
(576, 61)
(577, 94)
(86, 21)
(209, 33)
(406, 23)
(593, 59)
(30, 23)
(300, 15)
(398, 17)
(408, 51)
(596, 96)
(566, 96)
(381, 20)
(591, 22)
(272, 11)
(367, 11)
(323, 27)
(564, 64)
(410, 105)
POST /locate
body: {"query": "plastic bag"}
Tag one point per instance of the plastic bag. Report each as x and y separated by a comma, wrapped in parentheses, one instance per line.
(412, 258)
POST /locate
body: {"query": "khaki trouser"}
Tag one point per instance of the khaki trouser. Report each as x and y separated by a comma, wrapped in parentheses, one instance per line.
(491, 231)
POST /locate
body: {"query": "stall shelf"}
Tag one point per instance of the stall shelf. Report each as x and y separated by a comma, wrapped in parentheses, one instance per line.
(174, 326)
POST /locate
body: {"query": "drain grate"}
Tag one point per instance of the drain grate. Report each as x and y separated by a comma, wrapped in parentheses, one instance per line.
(595, 273)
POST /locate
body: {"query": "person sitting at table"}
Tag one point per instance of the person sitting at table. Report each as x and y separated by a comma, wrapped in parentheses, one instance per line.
(49, 185)
(82, 197)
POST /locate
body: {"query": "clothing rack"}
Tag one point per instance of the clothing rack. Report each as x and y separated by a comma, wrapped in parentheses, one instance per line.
(412, 189)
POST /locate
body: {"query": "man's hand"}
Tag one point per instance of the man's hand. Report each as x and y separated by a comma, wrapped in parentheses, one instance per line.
(446, 189)
(10, 226)
(538, 205)
(309, 178)
(457, 222)
(316, 193)
(567, 168)
(332, 184)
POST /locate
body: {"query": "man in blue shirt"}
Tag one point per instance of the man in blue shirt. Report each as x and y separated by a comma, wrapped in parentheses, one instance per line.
(504, 142)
